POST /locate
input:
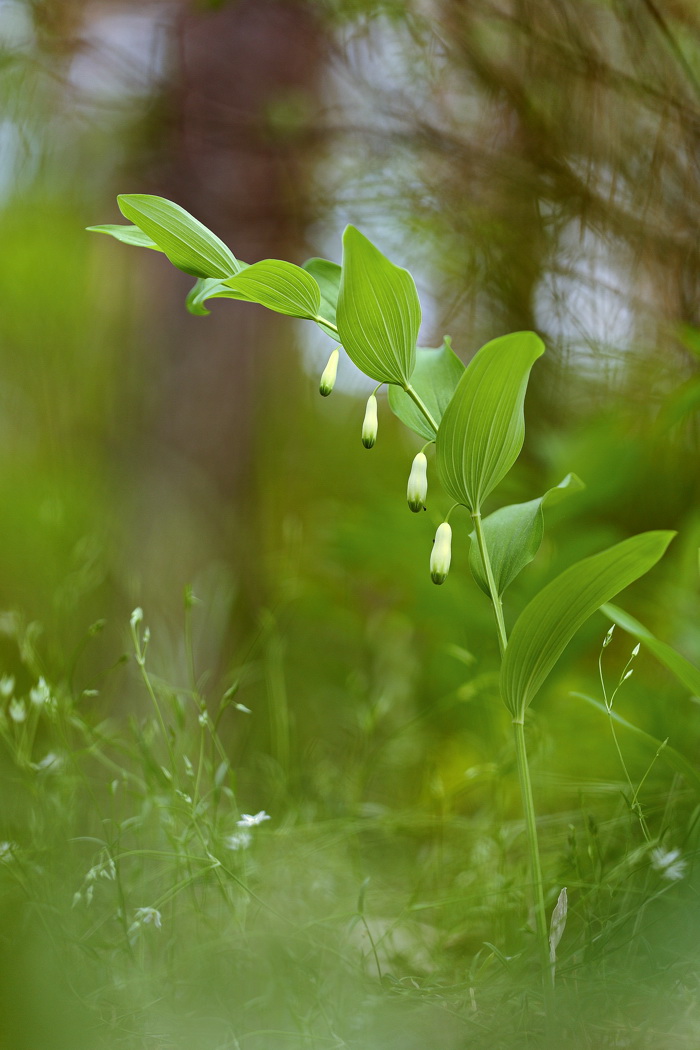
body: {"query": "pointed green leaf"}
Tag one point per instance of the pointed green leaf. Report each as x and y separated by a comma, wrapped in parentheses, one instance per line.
(513, 535)
(378, 311)
(126, 234)
(280, 286)
(187, 242)
(435, 380)
(327, 275)
(686, 673)
(483, 428)
(546, 626)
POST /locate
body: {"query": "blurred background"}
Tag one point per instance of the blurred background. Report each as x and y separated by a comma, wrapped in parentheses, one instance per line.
(535, 163)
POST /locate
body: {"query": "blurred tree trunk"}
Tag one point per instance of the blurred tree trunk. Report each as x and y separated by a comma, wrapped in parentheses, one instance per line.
(235, 148)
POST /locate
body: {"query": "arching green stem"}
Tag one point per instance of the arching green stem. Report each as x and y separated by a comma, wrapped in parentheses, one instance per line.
(495, 596)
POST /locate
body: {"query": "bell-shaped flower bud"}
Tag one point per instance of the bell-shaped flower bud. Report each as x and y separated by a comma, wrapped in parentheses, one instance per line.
(417, 490)
(441, 554)
(329, 373)
(370, 423)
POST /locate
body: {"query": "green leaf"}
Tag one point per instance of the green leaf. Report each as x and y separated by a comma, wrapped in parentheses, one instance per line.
(187, 243)
(663, 749)
(435, 379)
(546, 626)
(686, 673)
(327, 275)
(483, 428)
(378, 312)
(280, 286)
(513, 535)
(204, 288)
(127, 235)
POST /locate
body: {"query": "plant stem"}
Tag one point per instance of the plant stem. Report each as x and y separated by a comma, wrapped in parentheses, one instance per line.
(495, 596)
(323, 320)
(421, 405)
(525, 788)
(535, 865)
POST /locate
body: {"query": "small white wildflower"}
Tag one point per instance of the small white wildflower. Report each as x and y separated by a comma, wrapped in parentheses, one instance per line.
(203, 719)
(608, 637)
(417, 489)
(627, 674)
(636, 649)
(40, 694)
(149, 915)
(239, 840)
(248, 821)
(669, 863)
(77, 899)
(189, 768)
(370, 424)
(108, 870)
(329, 374)
(144, 917)
(50, 763)
(136, 617)
(18, 711)
(441, 554)
(7, 686)
(7, 851)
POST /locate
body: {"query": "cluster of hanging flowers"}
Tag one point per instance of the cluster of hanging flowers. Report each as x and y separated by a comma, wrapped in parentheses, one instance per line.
(417, 487)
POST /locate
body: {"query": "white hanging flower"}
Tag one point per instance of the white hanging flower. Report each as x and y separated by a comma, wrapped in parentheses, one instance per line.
(329, 374)
(417, 490)
(370, 423)
(441, 554)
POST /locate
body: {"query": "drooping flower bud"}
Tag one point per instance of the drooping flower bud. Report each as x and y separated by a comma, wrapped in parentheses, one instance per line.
(329, 373)
(417, 490)
(441, 554)
(370, 423)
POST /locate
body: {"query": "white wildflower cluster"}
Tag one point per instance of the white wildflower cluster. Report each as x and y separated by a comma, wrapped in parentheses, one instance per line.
(40, 696)
(144, 917)
(242, 839)
(104, 869)
(668, 863)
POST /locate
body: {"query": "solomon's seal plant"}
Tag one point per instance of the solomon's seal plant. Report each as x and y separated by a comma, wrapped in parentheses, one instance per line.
(473, 416)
